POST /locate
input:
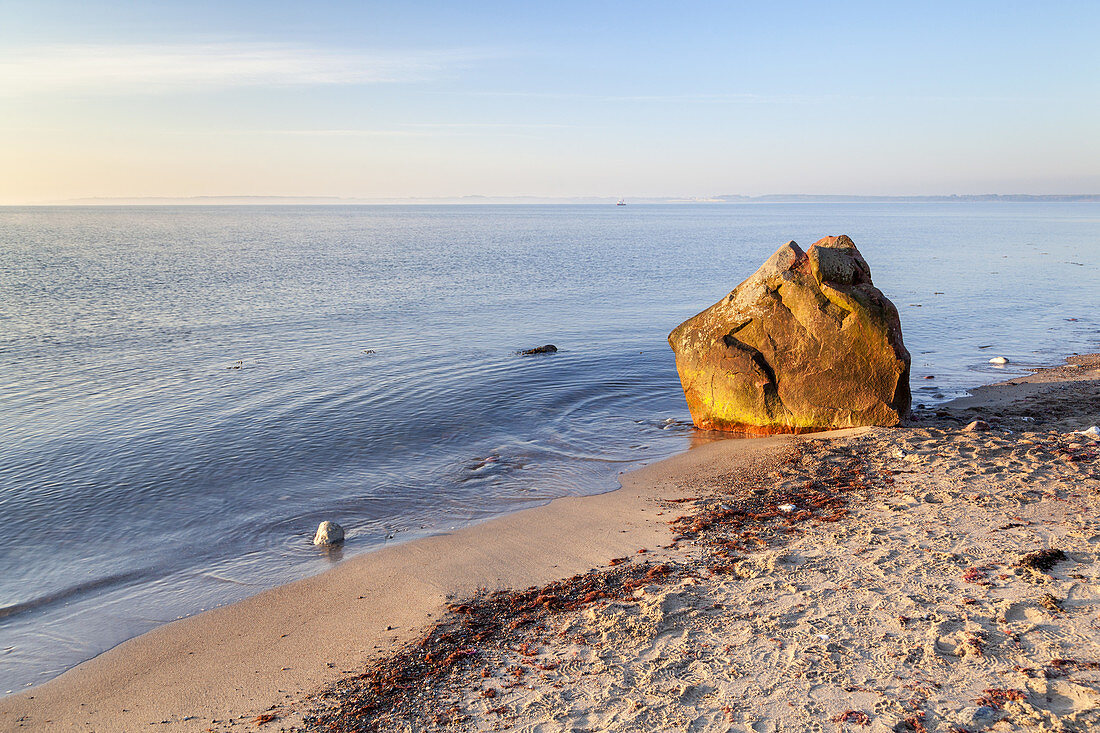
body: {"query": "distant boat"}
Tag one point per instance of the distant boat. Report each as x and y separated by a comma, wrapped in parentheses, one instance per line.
(620, 203)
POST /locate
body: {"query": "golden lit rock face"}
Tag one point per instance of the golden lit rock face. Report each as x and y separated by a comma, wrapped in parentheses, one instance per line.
(806, 343)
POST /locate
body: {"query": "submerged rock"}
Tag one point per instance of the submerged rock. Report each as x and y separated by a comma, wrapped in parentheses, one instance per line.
(328, 533)
(998, 360)
(547, 349)
(806, 343)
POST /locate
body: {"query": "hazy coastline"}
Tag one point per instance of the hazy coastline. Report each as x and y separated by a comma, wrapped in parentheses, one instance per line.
(210, 200)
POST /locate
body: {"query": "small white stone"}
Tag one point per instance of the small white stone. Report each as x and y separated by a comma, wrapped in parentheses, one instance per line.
(786, 507)
(998, 360)
(328, 533)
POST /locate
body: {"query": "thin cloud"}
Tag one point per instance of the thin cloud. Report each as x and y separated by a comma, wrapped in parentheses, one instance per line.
(741, 99)
(420, 129)
(336, 133)
(522, 125)
(161, 68)
(701, 98)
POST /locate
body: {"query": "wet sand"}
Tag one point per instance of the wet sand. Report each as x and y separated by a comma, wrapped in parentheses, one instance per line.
(807, 583)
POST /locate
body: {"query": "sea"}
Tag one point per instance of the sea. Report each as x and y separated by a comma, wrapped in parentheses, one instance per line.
(185, 392)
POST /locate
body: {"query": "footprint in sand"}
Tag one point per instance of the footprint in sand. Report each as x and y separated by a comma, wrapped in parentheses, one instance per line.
(1026, 611)
(1065, 698)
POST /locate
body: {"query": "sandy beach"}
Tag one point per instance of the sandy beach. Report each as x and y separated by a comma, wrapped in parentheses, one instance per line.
(923, 578)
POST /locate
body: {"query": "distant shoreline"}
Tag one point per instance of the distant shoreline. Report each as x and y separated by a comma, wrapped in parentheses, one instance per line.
(541, 200)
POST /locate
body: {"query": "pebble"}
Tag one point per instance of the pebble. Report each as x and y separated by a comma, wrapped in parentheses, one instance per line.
(984, 716)
(328, 534)
(976, 426)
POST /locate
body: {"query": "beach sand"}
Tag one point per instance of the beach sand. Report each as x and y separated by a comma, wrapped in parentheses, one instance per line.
(873, 578)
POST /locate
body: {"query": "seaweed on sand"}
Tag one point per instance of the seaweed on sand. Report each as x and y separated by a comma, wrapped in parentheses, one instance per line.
(1040, 560)
(407, 684)
(853, 716)
(756, 511)
(996, 698)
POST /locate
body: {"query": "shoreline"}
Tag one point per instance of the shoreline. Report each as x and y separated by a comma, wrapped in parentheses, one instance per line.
(221, 668)
(288, 640)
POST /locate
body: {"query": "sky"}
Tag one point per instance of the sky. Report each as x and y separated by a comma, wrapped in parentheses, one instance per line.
(424, 99)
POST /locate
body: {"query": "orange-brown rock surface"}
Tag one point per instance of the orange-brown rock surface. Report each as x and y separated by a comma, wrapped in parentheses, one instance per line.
(806, 343)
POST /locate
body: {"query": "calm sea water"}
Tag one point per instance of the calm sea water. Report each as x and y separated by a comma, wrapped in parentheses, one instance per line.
(186, 392)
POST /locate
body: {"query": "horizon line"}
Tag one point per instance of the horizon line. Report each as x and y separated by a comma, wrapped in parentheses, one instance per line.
(474, 199)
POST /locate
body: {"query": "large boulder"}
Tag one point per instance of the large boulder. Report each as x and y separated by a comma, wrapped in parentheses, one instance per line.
(806, 343)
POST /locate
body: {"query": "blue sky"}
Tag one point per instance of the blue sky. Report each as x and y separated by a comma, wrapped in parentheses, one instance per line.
(549, 99)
